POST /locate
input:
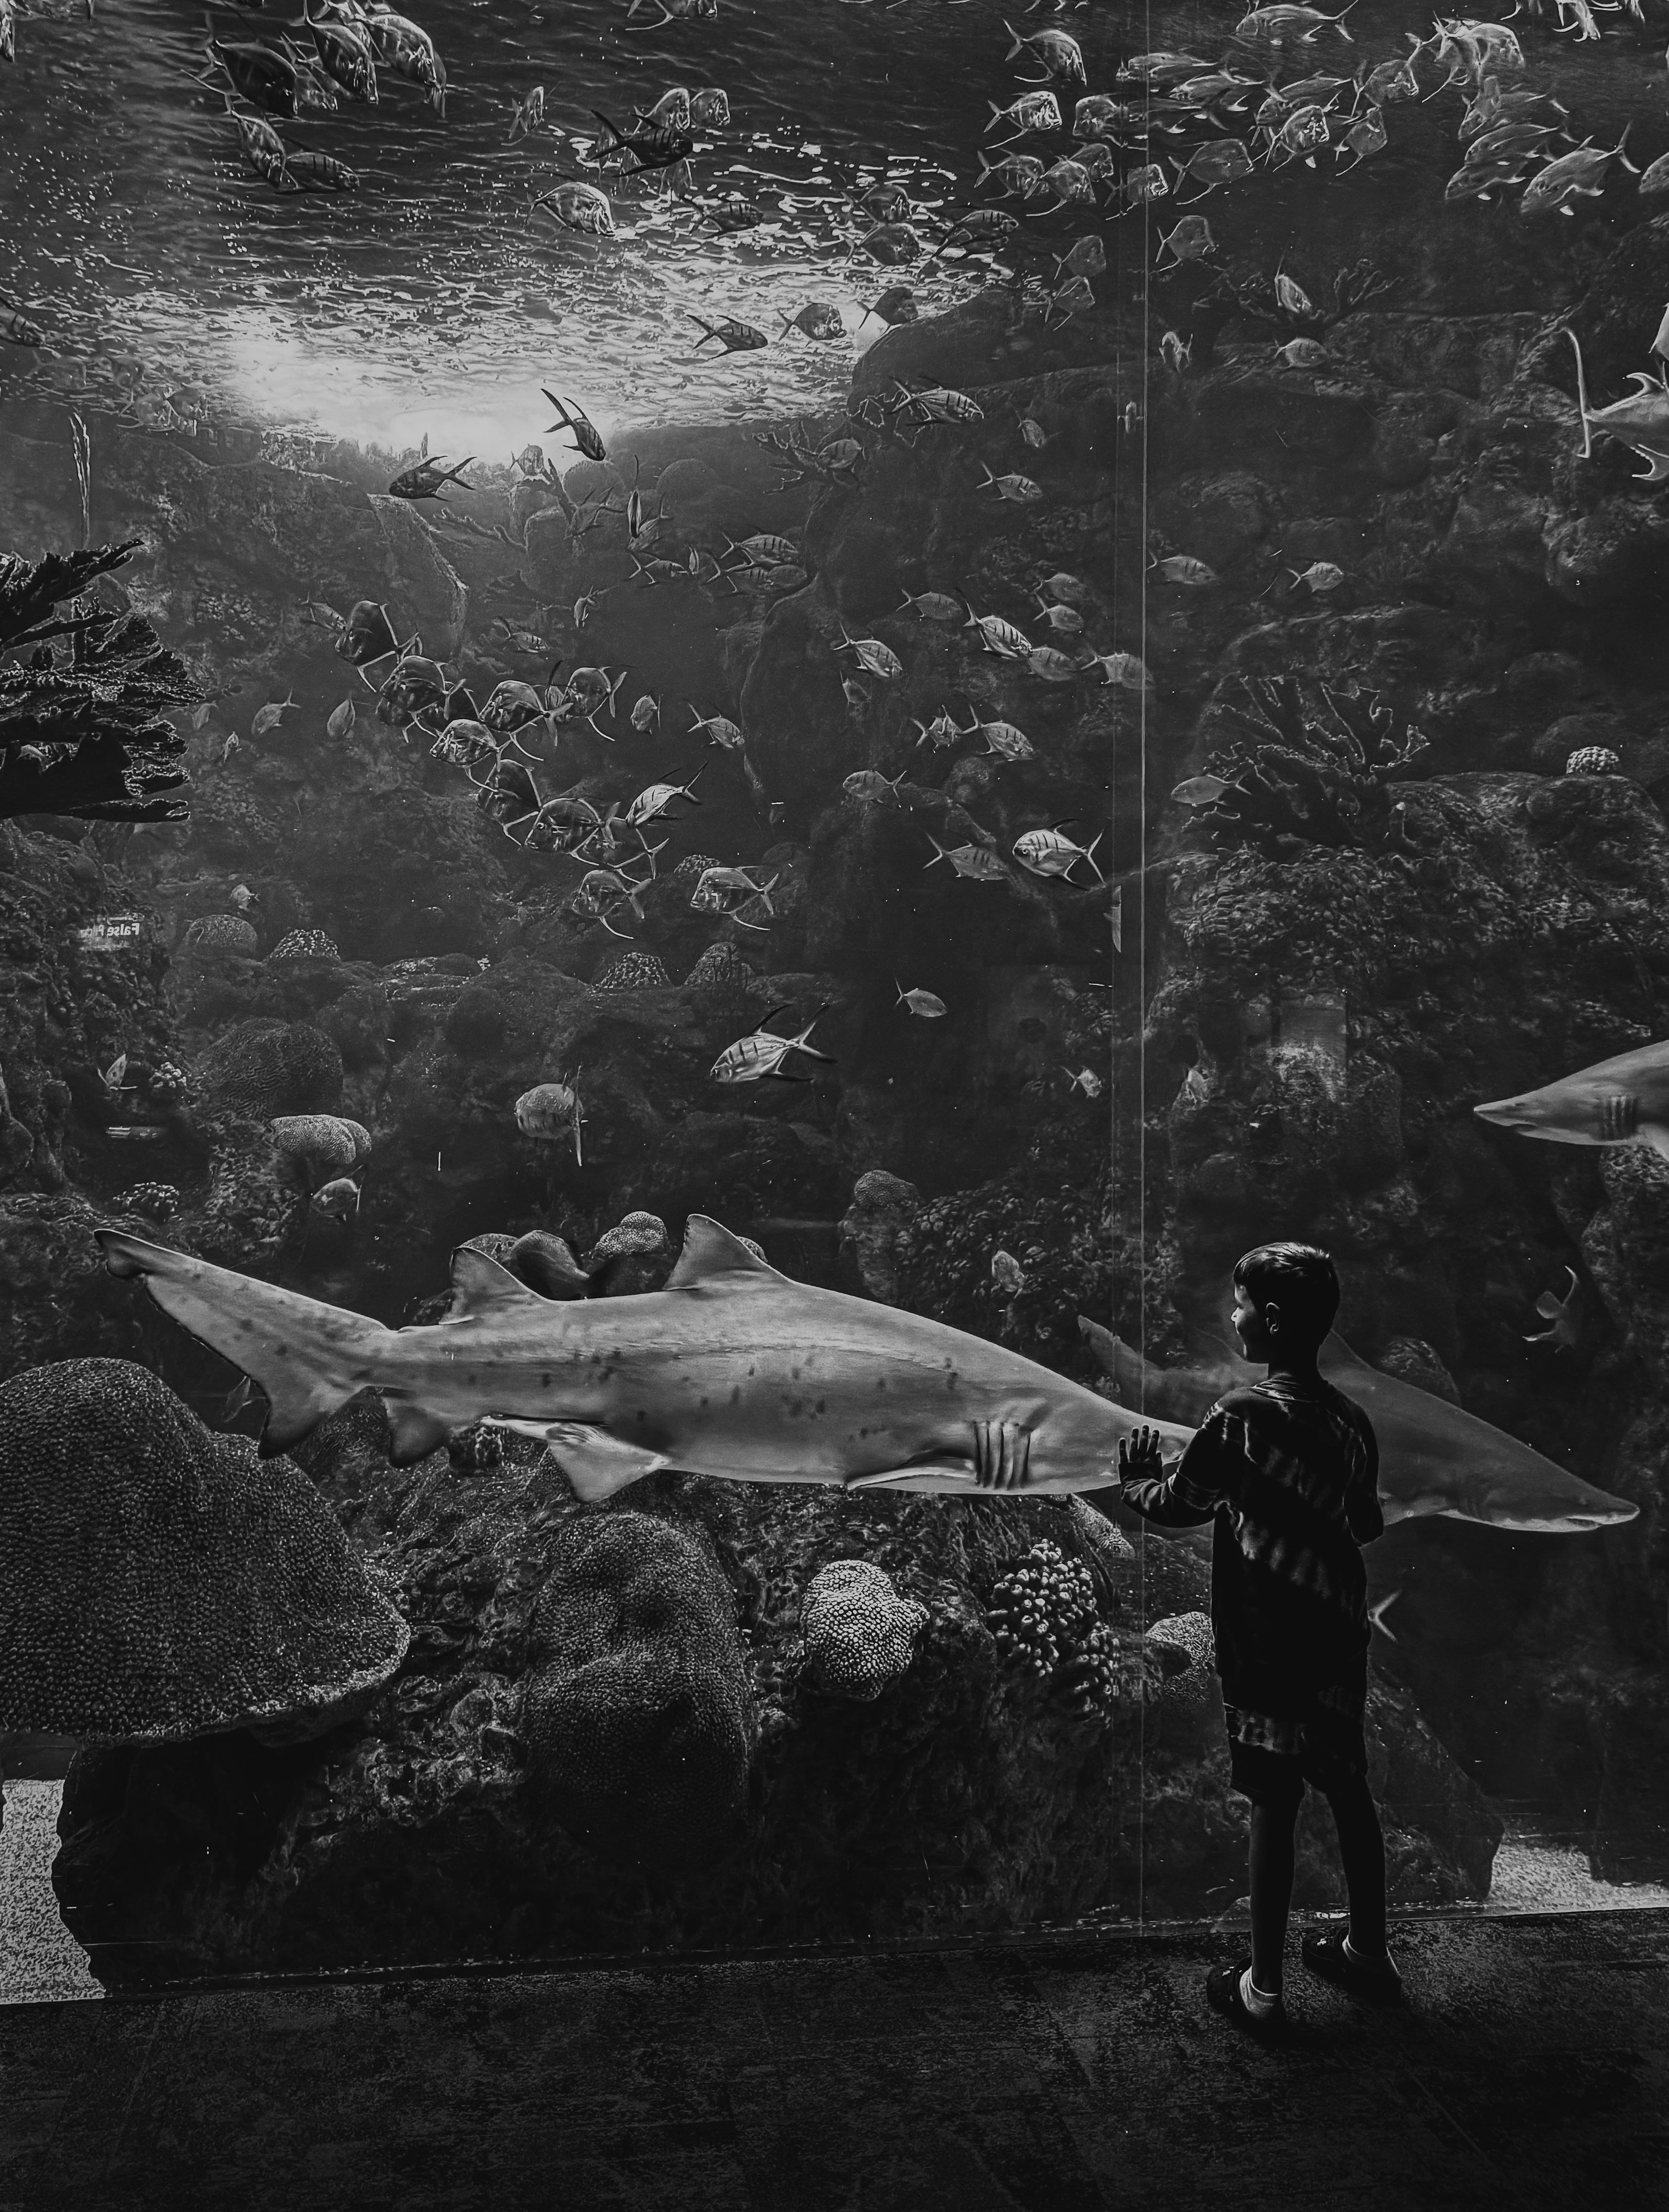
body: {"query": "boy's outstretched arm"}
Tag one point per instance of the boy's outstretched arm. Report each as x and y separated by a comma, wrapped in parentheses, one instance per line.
(1185, 1498)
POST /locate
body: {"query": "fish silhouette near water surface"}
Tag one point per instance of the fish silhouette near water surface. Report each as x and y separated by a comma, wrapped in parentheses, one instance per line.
(1434, 1456)
(732, 1370)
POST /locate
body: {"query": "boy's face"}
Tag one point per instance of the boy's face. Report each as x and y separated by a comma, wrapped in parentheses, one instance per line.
(1251, 1324)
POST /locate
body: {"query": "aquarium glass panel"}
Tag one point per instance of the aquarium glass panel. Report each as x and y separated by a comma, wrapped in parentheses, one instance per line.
(731, 738)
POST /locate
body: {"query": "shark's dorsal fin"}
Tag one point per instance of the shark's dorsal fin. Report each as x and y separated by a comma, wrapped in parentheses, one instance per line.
(712, 1254)
(482, 1290)
(1337, 1355)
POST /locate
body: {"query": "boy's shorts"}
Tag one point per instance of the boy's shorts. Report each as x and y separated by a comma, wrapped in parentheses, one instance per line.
(1272, 1761)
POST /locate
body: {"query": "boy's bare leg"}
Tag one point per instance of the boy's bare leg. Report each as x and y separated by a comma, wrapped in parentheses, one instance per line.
(1270, 1864)
(1362, 1849)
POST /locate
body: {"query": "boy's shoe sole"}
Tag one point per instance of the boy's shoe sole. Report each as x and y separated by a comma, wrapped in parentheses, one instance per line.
(1222, 1994)
(1322, 1953)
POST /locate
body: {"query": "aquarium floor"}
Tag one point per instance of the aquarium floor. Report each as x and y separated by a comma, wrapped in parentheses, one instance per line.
(1531, 2067)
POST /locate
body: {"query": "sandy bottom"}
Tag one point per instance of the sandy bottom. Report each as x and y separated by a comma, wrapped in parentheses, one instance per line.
(40, 1963)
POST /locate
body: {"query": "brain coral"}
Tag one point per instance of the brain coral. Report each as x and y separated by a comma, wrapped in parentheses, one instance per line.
(634, 971)
(223, 932)
(304, 945)
(158, 1582)
(1186, 1637)
(1593, 760)
(269, 1067)
(859, 1632)
(719, 963)
(638, 1726)
(315, 1147)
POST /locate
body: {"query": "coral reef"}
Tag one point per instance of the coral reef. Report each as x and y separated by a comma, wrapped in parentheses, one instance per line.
(163, 1583)
(1305, 764)
(82, 696)
(304, 945)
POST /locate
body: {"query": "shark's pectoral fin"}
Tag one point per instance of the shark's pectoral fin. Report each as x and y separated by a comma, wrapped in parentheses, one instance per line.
(939, 1471)
(416, 1432)
(596, 1463)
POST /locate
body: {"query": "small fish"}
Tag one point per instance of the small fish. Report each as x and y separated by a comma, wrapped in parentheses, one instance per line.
(758, 1057)
(816, 320)
(874, 657)
(1058, 54)
(337, 1199)
(1302, 353)
(527, 115)
(1183, 569)
(322, 173)
(427, 479)
(976, 862)
(1563, 1314)
(1021, 174)
(895, 306)
(721, 731)
(201, 714)
(1580, 174)
(521, 640)
(858, 699)
(1201, 790)
(1087, 257)
(934, 606)
(1293, 297)
(943, 730)
(646, 715)
(1071, 589)
(1065, 622)
(733, 336)
(1050, 853)
(113, 1074)
(1654, 177)
(1021, 489)
(671, 111)
(709, 108)
(341, 720)
(997, 635)
(1032, 112)
(1007, 1276)
(1321, 576)
(571, 418)
(549, 1112)
(927, 1004)
(1004, 739)
(1086, 1080)
(870, 788)
(582, 207)
(653, 802)
(271, 714)
(1125, 670)
(1176, 352)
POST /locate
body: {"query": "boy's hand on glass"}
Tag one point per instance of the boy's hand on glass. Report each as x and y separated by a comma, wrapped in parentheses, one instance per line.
(1139, 1455)
(1002, 1455)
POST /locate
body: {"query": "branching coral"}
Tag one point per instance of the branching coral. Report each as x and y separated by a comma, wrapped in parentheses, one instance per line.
(81, 696)
(1305, 764)
(1043, 1613)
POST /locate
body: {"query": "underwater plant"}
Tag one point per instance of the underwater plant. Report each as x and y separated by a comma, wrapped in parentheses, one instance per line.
(83, 690)
(1305, 764)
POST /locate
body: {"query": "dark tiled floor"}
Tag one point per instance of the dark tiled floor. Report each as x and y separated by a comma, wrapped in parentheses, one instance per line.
(1530, 2069)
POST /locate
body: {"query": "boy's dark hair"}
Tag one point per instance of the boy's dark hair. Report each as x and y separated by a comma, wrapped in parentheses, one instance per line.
(1299, 1279)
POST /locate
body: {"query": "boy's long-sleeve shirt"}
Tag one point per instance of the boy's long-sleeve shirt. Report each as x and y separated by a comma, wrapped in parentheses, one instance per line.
(1288, 1472)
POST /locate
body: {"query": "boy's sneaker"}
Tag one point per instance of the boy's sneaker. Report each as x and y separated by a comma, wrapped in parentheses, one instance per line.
(1222, 1994)
(1377, 1981)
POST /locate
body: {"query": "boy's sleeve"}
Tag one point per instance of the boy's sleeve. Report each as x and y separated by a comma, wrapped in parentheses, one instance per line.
(1204, 1478)
(1362, 1509)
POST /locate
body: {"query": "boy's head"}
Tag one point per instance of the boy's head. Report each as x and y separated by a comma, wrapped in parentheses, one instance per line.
(1286, 1297)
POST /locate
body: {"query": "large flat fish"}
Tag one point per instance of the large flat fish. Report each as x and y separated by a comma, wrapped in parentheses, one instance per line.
(1434, 1457)
(733, 1370)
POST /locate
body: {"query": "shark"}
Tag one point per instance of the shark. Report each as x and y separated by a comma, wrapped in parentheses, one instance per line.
(1434, 1456)
(1641, 420)
(1625, 1101)
(734, 1370)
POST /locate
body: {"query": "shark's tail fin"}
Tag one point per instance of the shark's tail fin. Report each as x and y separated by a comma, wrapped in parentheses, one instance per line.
(307, 1356)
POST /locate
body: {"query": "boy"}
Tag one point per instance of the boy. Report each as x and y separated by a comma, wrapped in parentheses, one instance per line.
(1287, 1470)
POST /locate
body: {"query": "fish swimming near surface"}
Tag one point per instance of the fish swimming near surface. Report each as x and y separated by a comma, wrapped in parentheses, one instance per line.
(573, 418)
(1641, 421)
(1625, 1101)
(427, 479)
(733, 336)
(734, 1370)
(1434, 1458)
